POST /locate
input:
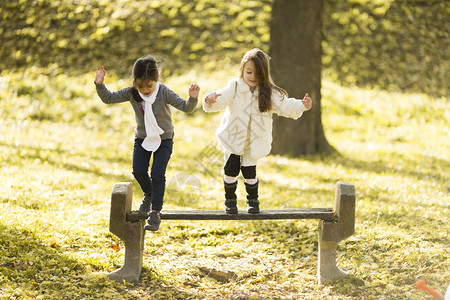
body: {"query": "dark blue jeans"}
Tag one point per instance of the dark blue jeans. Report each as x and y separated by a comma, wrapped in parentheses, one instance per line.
(155, 184)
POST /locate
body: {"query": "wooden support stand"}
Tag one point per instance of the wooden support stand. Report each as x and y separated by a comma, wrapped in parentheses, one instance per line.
(335, 226)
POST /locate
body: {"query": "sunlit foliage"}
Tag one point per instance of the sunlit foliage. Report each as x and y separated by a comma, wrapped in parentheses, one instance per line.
(62, 150)
(384, 43)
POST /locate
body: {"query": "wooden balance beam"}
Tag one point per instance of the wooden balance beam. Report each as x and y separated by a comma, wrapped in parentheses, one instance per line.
(335, 225)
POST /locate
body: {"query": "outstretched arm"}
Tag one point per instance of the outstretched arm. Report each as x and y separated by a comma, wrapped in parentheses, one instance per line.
(210, 98)
(105, 95)
(218, 100)
(290, 107)
(307, 102)
(100, 74)
(188, 105)
(194, 90)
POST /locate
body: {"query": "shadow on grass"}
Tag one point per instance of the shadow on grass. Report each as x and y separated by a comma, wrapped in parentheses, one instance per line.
(351, 285)
(158, 289)
(295, 242)
(30, 267)
(50, 156)
(420, 168)
(27, 260)
(423, 168)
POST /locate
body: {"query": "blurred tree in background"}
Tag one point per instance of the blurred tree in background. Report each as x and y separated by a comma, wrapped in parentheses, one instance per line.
(390, 44)
(296, 50)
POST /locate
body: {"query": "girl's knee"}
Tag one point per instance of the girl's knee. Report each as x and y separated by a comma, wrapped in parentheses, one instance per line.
(232, 165)
(158, 178)
(140, 175)
(249, 172)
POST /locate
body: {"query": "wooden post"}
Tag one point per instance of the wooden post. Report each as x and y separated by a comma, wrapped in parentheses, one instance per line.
(331, 233)
(131, 233)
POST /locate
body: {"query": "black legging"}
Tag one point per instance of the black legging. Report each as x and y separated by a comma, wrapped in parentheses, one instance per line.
(233, 165)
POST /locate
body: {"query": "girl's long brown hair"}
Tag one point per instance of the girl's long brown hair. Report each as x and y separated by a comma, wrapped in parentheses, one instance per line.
(265, 83)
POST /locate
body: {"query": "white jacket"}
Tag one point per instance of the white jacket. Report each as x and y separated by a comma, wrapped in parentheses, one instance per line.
(243, 125)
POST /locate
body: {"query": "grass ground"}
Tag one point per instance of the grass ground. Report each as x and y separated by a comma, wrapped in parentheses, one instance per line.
(62, 150)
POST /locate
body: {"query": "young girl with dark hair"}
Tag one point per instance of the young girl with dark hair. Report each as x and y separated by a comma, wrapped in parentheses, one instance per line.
(245, 133)
(154, 131)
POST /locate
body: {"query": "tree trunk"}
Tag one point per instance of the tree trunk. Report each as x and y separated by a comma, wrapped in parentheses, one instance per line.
(295, 50)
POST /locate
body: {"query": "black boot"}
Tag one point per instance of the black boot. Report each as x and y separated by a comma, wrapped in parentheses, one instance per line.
(230, 198)
(153, 221)
(252, 198)
(146, 204)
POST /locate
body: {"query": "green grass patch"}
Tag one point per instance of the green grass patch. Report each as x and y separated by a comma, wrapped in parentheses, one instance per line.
(62, 150)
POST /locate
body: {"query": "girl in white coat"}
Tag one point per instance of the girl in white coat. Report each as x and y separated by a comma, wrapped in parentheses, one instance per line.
(245, 133)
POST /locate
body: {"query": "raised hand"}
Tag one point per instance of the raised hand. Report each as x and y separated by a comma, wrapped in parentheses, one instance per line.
(100, 75)
(211, 98)
(194, 90)
(307, 102)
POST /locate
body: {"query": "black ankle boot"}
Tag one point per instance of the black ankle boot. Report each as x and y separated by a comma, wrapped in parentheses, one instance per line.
(252, 198)
(146, 204)
(230, 198)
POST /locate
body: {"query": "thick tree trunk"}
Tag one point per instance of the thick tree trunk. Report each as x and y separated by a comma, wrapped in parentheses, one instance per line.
(295, 50)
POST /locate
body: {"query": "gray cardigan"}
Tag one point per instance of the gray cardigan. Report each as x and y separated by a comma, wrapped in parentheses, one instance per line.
(160, 107)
